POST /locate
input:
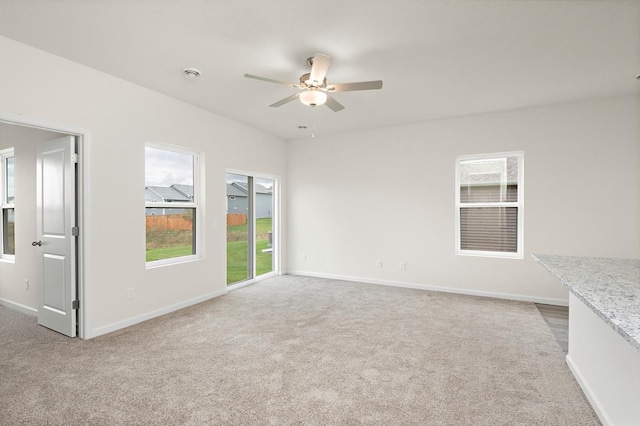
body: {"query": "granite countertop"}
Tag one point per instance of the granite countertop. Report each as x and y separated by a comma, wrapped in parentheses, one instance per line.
(610, 287)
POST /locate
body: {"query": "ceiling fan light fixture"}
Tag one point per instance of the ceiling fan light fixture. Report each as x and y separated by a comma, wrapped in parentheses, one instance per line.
(313, 97)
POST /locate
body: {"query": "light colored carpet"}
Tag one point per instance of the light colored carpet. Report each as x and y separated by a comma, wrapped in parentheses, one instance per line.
(298, 350)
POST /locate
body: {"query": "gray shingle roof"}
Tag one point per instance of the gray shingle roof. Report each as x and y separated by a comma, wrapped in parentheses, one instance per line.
(488, 171)
(239, 189)
(166, 194)
(236, 190)
(186, 190)
(182, 193)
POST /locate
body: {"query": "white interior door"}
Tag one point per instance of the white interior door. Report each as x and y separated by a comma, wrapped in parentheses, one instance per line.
(56, 243)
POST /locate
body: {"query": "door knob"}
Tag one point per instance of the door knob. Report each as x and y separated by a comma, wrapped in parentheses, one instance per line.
(36, 243)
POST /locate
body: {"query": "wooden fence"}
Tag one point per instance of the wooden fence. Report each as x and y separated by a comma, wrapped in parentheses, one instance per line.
(173, 222)
(234, 219)
(177, 222)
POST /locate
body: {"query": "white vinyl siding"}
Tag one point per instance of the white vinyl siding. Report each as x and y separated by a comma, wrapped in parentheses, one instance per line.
(489, 205)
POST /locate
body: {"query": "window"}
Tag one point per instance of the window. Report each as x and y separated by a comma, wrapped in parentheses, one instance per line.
(171, 205)
(489, 205)
(7, 204)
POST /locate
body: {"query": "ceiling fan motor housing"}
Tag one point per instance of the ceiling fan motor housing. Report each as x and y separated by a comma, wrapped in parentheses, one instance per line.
(304, 81)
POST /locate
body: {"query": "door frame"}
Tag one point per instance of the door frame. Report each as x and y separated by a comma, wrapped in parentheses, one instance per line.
(277, 258)
(82, 199)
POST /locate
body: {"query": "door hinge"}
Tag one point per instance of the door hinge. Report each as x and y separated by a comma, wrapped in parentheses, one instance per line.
(74, 158)
(75, 231)
(75, 304)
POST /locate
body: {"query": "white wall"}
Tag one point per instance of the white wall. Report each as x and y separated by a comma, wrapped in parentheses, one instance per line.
(385, 194)
(389, 194)
(24, 140)
(121, 117)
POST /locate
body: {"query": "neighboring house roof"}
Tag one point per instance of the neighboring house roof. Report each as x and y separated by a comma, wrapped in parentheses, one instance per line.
(242, 186)
(186, 190)
(182, 193)
(166, 194)
(235, 190)
(261, 189)
(489, 172)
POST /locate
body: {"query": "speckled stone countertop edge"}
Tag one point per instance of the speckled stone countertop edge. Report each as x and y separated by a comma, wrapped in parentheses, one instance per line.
(596, 309)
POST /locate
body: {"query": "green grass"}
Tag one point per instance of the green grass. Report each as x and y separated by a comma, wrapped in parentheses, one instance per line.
(168, 252)
(167, 244)
(172, 244)
(239, 232)
(237, 260)
(237, 250)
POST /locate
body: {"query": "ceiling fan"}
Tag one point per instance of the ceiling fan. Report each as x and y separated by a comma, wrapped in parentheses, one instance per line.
(315, 90)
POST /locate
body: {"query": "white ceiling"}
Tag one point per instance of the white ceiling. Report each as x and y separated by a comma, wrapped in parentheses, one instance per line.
(437, 58)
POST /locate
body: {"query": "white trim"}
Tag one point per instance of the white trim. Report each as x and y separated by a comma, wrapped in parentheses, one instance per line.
(417, 286)
(275, 224)
(83, 261)
(18, 307)
(172, 261)
(196, 204)
(593, 399)
(519, 254)
(5, 154)
(154, 314)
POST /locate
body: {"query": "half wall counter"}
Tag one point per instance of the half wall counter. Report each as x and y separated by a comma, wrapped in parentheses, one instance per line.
(604, 331)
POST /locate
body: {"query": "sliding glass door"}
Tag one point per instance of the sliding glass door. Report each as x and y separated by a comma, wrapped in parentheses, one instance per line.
(250, 226)
(264, 225)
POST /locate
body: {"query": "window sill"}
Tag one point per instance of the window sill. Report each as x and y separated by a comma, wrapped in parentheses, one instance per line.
(490, 254)
(173, 261)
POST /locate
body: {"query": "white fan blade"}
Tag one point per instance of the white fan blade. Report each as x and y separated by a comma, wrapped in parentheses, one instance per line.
(334, 105)
(319, 68)
(285, 100)
(362, 85)
(270, 80)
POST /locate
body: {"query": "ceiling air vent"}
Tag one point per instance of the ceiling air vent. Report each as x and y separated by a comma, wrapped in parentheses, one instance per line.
(191, 73)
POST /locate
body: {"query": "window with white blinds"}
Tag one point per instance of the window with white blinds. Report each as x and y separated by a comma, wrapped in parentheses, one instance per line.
(7, 205)
(489, 204)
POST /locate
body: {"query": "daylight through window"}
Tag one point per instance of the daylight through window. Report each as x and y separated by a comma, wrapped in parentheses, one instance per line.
(171, 204)
(489, 205)
(7, 204)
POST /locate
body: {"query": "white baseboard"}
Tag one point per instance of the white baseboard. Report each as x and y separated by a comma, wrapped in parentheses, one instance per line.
(18, 307)
(508, 296)
(593, 399)
(153, 314)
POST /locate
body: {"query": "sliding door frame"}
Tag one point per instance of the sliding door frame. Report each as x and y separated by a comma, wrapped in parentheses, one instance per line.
(251, 227)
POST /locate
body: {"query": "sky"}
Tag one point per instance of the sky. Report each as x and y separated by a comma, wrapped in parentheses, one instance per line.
(10, 180)
(165, 168)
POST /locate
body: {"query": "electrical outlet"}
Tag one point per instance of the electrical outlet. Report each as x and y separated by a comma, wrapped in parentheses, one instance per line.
(403, 265)
(26, 284)
(130, 293)
(379, 263)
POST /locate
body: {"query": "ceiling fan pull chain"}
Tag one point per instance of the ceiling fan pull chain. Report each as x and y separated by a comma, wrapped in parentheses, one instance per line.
(313, 122)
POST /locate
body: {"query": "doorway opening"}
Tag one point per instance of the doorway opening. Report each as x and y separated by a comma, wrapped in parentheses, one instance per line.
(33, 241)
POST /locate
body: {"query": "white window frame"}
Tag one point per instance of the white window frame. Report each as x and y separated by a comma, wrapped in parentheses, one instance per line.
(194, 204)
(4, 204)
(275, 226)
(519, 254)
